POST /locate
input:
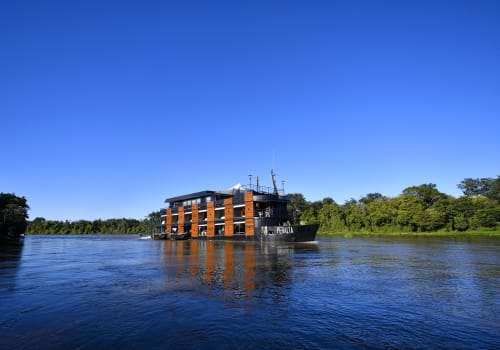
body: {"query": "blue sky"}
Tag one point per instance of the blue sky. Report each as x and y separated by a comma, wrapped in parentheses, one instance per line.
(109, 107)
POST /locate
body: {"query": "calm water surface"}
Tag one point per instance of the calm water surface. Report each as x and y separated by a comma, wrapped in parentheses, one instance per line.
(93, 292)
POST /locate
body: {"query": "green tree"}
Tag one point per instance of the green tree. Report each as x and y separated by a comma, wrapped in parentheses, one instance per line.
(439, 214)
(381, 213)
(354, 215)
(297, 206)
(486, 213)
(427, 193)
(36, 226)
(476, 187)
(330, 217)
(409, 212)
(494, 193)
(13, 215)
(310, 214)
(372, 197)
(487, 187)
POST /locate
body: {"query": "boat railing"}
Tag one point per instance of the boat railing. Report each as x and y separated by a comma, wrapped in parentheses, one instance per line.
(259, 189)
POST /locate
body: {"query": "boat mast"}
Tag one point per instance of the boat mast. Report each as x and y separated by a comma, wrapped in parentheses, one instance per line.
(274, 182)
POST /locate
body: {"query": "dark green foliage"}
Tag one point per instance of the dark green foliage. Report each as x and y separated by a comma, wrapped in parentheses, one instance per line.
(427, 194)
(494, 193)
(110, 226)
(460, 223)
(13, 215)
(486, 213)
(486, 187)
(297, 206)
(330, 217)
(420, 208)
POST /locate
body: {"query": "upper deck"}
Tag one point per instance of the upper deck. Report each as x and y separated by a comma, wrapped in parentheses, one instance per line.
(237, 193)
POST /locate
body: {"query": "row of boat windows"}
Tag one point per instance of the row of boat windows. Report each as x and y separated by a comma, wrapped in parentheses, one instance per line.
(197, 201)
(238, 228)
(190, 202)
(237, 212)
(202, 218)
(237, 198)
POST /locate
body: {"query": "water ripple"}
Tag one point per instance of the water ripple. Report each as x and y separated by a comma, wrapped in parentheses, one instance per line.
(92, 292)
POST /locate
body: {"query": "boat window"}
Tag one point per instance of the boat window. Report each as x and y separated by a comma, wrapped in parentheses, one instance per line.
(239, 228)
(239, 212)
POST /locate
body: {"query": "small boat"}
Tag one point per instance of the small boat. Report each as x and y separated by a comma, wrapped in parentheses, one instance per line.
(159, 235)
(178, 236)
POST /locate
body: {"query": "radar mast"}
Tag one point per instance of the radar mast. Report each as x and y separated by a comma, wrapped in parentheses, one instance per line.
(274, 182)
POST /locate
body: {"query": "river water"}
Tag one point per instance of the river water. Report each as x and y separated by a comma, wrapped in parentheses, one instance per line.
(98, 292)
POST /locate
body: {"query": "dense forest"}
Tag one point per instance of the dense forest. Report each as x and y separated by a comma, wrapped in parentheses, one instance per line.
(417, 209)
(42, 226)
(420, 208)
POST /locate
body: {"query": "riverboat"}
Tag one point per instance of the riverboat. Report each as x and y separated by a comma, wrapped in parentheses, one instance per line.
(249, 212)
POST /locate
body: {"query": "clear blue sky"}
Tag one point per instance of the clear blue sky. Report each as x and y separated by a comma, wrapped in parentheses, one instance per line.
(109, 107)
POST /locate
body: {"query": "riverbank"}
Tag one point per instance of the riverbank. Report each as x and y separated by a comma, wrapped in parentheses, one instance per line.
(485, 233)
(479, 233)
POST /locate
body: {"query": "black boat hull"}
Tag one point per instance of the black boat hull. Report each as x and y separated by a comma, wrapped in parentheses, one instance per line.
(297, 233)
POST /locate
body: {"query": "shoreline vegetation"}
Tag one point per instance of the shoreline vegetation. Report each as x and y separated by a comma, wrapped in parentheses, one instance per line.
(443, 234)
(418, 211)
(454, 234)
(83, 227)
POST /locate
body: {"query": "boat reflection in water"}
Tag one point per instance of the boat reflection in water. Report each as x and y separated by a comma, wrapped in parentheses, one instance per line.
(230, 266)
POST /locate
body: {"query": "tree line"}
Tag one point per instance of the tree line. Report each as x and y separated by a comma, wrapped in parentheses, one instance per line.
(420, 208)
(110, 226)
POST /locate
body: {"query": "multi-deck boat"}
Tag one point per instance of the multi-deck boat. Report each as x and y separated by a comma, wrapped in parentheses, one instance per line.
(250, 212)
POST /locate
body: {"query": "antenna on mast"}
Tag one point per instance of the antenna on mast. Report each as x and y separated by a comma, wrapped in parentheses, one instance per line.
(273, 176)
(274, 182)
(274, 159)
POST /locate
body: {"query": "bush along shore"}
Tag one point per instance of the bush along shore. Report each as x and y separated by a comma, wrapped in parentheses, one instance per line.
(419, 210)
(445, 234)
(109, 226)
